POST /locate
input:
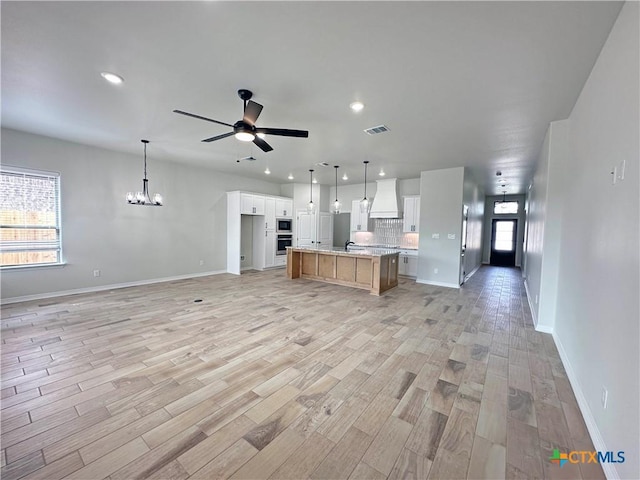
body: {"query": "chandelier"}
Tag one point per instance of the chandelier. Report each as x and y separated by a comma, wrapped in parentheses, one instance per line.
(142, 198)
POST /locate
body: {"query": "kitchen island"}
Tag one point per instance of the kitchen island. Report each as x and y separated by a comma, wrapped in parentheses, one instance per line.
(374, 269)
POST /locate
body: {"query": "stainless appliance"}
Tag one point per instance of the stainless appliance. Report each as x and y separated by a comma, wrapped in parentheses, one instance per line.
(283, 225)
(282, 242)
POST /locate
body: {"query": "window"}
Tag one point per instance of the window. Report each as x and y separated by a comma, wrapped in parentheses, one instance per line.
(29, 217)
(503, 239)
(505, 207)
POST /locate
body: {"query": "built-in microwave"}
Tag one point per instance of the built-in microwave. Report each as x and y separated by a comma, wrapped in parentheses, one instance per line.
(283, 225)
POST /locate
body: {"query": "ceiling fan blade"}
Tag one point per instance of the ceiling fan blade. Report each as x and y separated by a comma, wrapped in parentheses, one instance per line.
(218, 137)
(264, 146)
(252, 112)
(201, 118)
(284, 132)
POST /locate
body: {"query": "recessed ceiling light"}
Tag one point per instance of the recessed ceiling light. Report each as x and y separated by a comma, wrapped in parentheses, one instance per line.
(344, 177)
(290, 177)
(267, 171)
(112, 78)
(357, 106)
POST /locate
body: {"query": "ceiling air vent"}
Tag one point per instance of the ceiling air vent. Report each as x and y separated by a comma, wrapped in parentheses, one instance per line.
(376, 130)
(322, 164)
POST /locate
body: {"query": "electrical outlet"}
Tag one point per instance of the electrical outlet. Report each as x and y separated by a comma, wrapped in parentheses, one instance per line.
(96, 273)
(435, 270)
(201, 262)
(605, 397)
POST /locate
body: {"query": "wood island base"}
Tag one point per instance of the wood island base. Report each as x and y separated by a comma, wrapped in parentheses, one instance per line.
(374, 272)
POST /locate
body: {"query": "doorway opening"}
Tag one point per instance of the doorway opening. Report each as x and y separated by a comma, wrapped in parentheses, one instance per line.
(503, 243)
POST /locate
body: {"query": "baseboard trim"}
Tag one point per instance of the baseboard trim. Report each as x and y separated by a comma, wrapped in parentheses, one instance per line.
(534, 316)
(596, 437)
(472, 272)
(437, 284)
(102, 288)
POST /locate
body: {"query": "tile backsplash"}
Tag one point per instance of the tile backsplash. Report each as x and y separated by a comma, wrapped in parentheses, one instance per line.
(387, 231)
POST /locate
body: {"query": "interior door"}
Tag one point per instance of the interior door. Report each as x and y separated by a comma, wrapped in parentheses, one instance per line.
(465, 222)
(503, 243)
(325, 233)
(306, 229)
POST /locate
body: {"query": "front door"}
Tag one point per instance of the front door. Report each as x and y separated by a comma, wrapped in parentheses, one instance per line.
(503, 243)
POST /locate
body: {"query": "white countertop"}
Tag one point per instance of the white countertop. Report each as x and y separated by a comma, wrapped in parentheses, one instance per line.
(367, 252)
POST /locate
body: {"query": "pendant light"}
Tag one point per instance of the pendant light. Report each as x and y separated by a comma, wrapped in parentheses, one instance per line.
(142, 198)
(336, 204)
(364, 203)
(503, 204)
(310, 206)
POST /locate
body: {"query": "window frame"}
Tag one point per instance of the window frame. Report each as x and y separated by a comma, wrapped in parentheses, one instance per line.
(495, 206)
(17, 171)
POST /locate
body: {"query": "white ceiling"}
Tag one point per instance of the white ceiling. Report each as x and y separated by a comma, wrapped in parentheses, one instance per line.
(458, 84)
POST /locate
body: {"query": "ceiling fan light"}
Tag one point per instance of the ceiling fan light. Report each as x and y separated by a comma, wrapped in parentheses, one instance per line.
(260, 135)
(245, 136)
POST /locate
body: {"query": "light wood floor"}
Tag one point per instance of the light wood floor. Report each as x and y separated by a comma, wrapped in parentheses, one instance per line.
(276, 378)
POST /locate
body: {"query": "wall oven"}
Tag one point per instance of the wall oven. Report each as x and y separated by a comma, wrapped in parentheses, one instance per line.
(282, 242)
(283, 225)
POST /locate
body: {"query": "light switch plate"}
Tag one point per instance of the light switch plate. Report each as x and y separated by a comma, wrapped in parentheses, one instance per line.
(435, 235)
(620, 170)
(451, 236)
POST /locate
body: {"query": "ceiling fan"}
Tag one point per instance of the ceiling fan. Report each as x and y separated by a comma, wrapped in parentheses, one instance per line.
(245, 129)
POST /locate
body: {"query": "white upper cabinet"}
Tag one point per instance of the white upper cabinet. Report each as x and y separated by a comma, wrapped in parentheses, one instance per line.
(359, 220)
(411, 221)
(252, 204)
(270, 213)
(284, 207)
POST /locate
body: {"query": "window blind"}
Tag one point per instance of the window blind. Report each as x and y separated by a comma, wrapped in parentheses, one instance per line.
(29, 217)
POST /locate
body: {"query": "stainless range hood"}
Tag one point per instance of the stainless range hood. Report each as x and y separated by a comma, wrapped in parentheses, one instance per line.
(385, 203)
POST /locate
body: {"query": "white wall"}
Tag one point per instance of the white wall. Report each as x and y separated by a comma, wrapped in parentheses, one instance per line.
(441, 193)
(488, 219)
(597, 318)
(126, 243)
(546, 205)
(589, 244)
(535, 219)
(473, 197)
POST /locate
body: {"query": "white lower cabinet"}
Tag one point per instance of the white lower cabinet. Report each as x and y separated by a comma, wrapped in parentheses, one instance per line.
(408, 266)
